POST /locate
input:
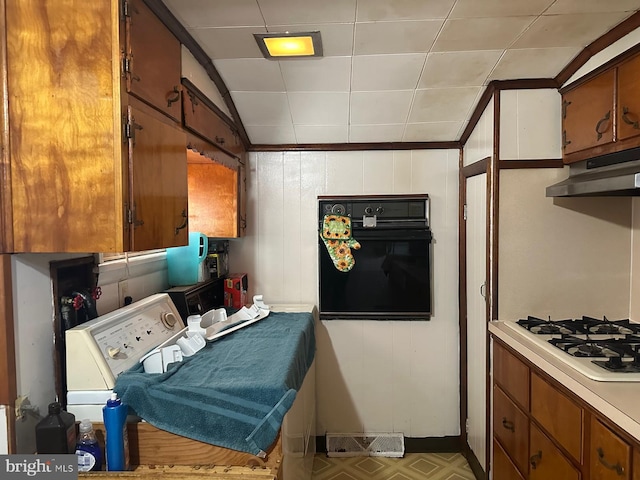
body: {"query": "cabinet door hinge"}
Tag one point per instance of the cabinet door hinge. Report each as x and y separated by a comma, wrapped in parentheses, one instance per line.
(130, 127)
(466, 425)
(125, 8)
(464, 211)
(129, 214)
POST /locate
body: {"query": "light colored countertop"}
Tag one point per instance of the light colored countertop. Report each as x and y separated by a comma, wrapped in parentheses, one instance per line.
(618, 401)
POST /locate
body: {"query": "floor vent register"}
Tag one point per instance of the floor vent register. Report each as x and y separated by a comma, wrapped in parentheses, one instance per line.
(365, 445)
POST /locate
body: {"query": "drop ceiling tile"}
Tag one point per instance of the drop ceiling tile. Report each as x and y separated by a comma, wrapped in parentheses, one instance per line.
(262, 108)
(480, 33)
(587, 6)
(322, 134)
(571, 30)
(443, 104)
(395, 37)
(377, 10)
(386, 72)
(291, 12)
(228, 42)
(498, 8)
(270, 134)
(380, 107)
(456, 69)
(337, 38)
(376, 133)
(221, 13)
(328, 74)
(533, 63)
(431, 132)
(319, 108)
(251, 74)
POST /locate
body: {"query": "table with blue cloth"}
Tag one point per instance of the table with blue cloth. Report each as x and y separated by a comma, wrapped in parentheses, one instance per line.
(233, 393)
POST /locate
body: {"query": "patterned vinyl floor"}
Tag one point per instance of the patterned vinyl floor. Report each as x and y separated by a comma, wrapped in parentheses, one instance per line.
(413, 466)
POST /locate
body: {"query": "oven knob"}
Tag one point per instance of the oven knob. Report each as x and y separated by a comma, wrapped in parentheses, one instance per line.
(380, 210)
(368, 210)
(338, 209)
(113, 351)
(169, 320)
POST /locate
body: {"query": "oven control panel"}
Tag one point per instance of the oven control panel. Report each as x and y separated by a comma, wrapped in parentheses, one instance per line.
(99, 350)
(385, 208)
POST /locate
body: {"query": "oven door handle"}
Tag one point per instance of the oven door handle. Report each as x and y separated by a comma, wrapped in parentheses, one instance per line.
(391, 234)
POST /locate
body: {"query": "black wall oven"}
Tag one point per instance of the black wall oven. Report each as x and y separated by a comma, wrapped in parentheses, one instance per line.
(391, 277)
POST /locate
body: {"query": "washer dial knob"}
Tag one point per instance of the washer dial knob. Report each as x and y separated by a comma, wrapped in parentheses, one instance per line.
(113, 351)
(169, 320)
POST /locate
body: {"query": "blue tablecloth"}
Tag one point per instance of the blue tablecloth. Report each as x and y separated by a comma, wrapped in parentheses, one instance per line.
(235, 391)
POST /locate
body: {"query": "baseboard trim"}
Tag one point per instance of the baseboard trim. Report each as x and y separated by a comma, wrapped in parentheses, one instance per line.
(451, 444)
(476, 468)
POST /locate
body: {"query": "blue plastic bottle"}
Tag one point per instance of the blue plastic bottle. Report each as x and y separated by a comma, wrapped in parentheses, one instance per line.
(88, 449)
(114, 414)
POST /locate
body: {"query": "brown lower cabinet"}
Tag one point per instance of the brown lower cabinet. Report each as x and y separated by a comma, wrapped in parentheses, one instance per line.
(541, 431)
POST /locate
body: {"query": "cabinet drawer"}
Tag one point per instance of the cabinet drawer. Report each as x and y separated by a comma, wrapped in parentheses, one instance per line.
(511, 374)
(546, 461)
(503, 468)
(610, 456)
(511, 429)
(558, 415)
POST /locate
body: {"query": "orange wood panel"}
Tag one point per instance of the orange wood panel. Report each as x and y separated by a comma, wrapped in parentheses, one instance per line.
(149, 445)
(546, 462)
(558, 414)
(511, 374)
(610, 456)
(503, 468)
(629, 99)
(589, 115)
(511, 429)
(213, 197)
(65, 125)
(159, 182)
(155, 55)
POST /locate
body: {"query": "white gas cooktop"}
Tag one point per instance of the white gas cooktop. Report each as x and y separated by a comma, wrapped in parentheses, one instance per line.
(612, 357)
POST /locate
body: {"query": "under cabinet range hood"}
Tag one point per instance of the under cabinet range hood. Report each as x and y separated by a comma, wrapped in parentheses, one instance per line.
(615, 174)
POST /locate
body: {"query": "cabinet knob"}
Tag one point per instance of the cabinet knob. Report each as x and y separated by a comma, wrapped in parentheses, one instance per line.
(508, 425)
(173, 96)
(627, 120)
(220, 140)
(619, 469)
(603, 121)
(535, 459)
(185, 222)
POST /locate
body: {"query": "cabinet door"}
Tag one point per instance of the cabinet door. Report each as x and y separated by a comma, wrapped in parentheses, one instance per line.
(511, 428)
(587, 114)
(629, 99)
(636, 463)
(558, 414)
(158, 179)
(546, 462)
(503, 469)
(512, 375)
(200, 117)
(610, 455)
(154, 60)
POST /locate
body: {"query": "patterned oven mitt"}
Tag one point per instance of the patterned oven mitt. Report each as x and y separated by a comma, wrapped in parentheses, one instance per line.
(336, 235)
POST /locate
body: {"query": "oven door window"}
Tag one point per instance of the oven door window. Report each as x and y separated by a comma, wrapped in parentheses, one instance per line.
(389, 281)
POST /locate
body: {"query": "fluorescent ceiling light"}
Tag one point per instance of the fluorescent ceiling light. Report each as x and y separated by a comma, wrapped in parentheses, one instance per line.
(289, 45)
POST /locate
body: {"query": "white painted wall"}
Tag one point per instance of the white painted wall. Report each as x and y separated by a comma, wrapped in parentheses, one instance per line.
(634, 301)
(480, 142)
(530, 124)
(372, 376)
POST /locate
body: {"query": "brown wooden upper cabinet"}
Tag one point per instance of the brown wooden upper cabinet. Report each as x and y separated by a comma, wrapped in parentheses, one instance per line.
(88, 167)
(602, 115)
(152, 60)
(202, 117)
